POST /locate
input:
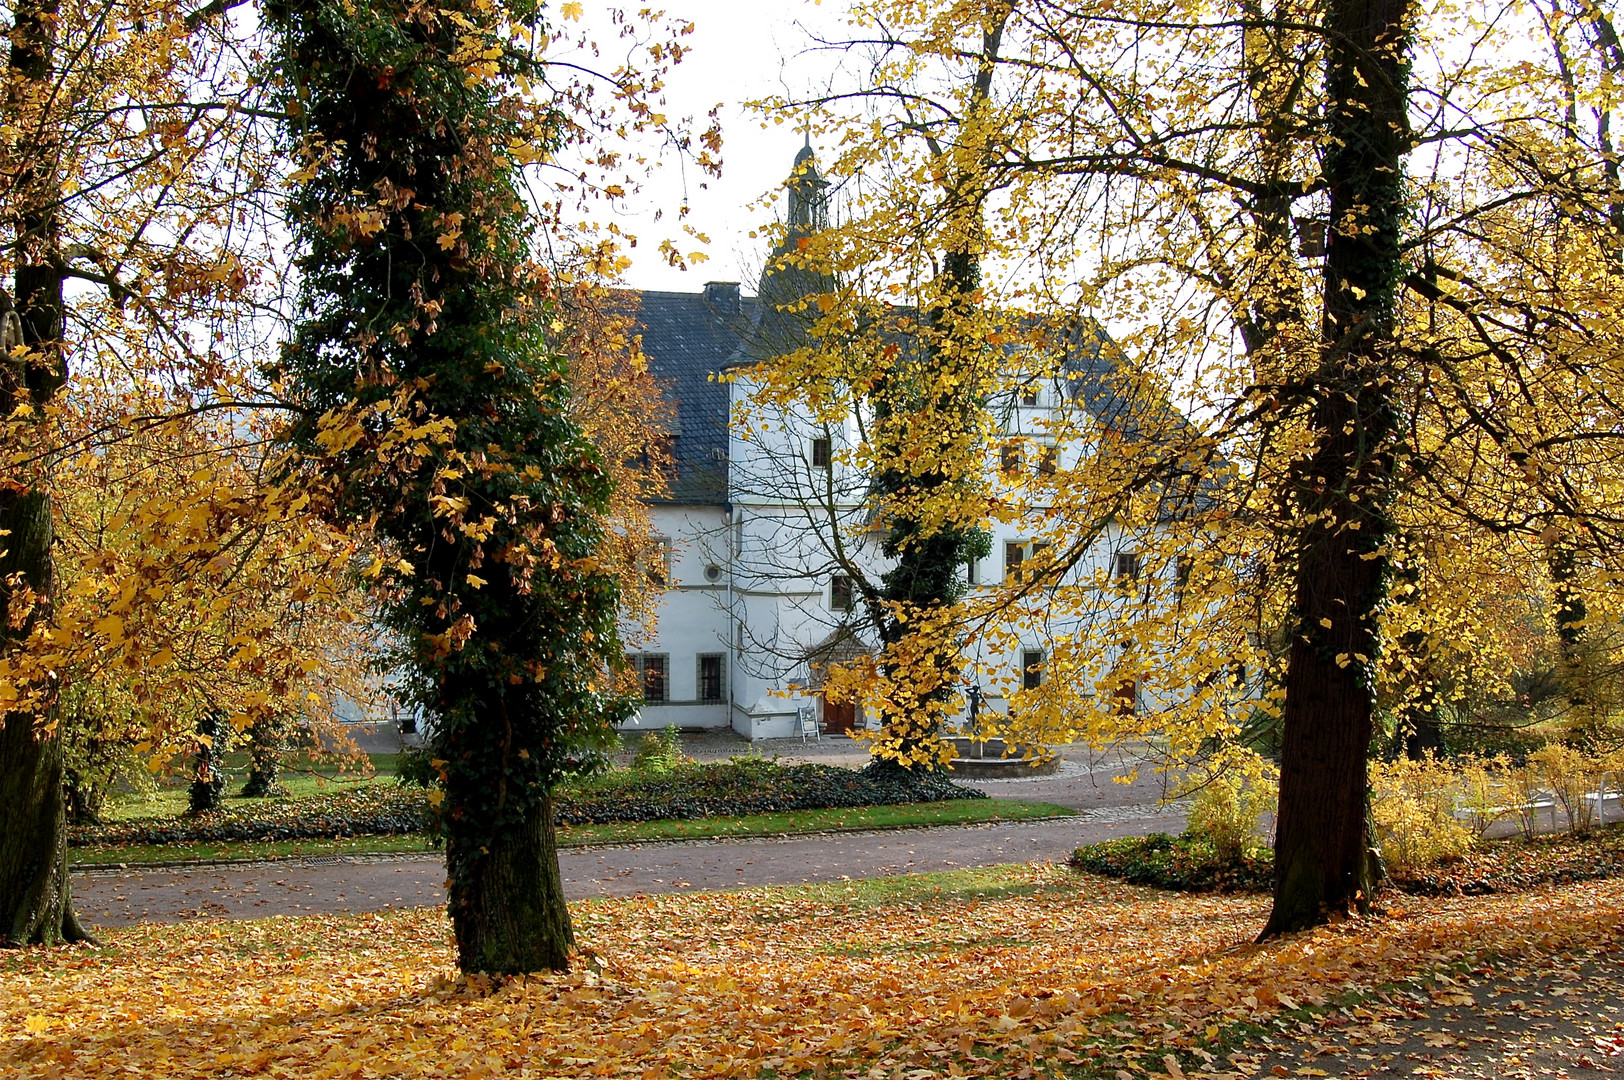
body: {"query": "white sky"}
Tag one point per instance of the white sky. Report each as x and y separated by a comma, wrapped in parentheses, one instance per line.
(741, 49)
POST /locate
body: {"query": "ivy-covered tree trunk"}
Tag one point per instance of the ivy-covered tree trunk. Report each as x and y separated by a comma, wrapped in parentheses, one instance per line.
(435, 410)
(265, 746)
(1341, 494)
(35, 901)
(1575, 668)
(208, 782)
(929, 574)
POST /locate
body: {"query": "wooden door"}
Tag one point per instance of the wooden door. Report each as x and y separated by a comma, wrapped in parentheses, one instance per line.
(839, 717)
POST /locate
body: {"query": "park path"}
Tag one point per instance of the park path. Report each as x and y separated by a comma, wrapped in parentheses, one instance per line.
(1098, 786)
(360, 883)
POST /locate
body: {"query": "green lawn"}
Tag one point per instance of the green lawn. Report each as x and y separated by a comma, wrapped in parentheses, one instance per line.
(956, 812)
(170, 801)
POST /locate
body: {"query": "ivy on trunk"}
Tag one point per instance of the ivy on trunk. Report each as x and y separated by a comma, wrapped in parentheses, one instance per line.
(434, 410)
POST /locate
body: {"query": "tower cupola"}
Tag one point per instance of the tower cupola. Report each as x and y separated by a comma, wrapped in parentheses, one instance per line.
(808, 195)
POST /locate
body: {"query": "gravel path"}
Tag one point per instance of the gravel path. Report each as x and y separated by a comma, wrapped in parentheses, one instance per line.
(1087, 782)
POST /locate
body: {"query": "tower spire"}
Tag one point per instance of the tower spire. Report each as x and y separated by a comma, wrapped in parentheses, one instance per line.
(808, 203)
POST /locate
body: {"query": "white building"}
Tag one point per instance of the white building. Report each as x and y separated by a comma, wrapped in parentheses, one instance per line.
(758, 596)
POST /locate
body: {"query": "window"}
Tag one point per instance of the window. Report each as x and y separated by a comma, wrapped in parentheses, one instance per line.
(841, 596)
(1009, 457)
(972, 571)
(652, 669)
(1031, 669)
(1181, 576)
(1017, 553)
(1125, 566)
(657, 564)
(1029, 396)
(820, 453)
(1014, 555)
(1048, 460)
(710, 677)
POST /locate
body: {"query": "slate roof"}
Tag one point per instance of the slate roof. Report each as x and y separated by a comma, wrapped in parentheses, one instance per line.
(687, 338)
(690, 337)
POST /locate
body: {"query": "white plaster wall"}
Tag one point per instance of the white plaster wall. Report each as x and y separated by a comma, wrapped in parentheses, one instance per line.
(772, 543)
(692, 619)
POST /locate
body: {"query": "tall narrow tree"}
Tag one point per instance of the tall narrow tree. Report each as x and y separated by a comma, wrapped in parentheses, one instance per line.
(436, 408)
(1340, 497)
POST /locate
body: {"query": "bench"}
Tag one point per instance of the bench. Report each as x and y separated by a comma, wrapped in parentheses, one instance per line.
(1598, 802)
(1525, 811)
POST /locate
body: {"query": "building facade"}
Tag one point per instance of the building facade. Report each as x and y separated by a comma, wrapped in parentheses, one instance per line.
(764, 521)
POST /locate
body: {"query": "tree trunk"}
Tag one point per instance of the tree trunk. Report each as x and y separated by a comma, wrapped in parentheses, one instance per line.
(265, 739)
(508, 908)
(35, 900)
(1340, 496)
(35, 904)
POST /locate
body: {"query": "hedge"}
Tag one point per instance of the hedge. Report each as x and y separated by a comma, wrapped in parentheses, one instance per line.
(720, 789)
(1181, 863)
(1187, 864)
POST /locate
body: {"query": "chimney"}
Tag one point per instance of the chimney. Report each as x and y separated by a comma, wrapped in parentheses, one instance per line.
(723, 296)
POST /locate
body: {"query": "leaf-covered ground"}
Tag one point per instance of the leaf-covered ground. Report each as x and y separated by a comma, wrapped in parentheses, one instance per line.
(1001, 972)
(1539, 1014)
(1516, 864)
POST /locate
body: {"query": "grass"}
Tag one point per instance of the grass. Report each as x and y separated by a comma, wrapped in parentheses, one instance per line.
(957, 812)
(172, 801)
(136, 854)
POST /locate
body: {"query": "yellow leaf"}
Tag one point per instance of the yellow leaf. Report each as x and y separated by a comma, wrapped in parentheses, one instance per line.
(570, 10)
(36, 1023)
(475, 581)
(436, 798)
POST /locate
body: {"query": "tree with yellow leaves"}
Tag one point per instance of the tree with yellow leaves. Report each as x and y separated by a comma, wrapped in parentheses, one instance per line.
(126, 172)
(1350, 349)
